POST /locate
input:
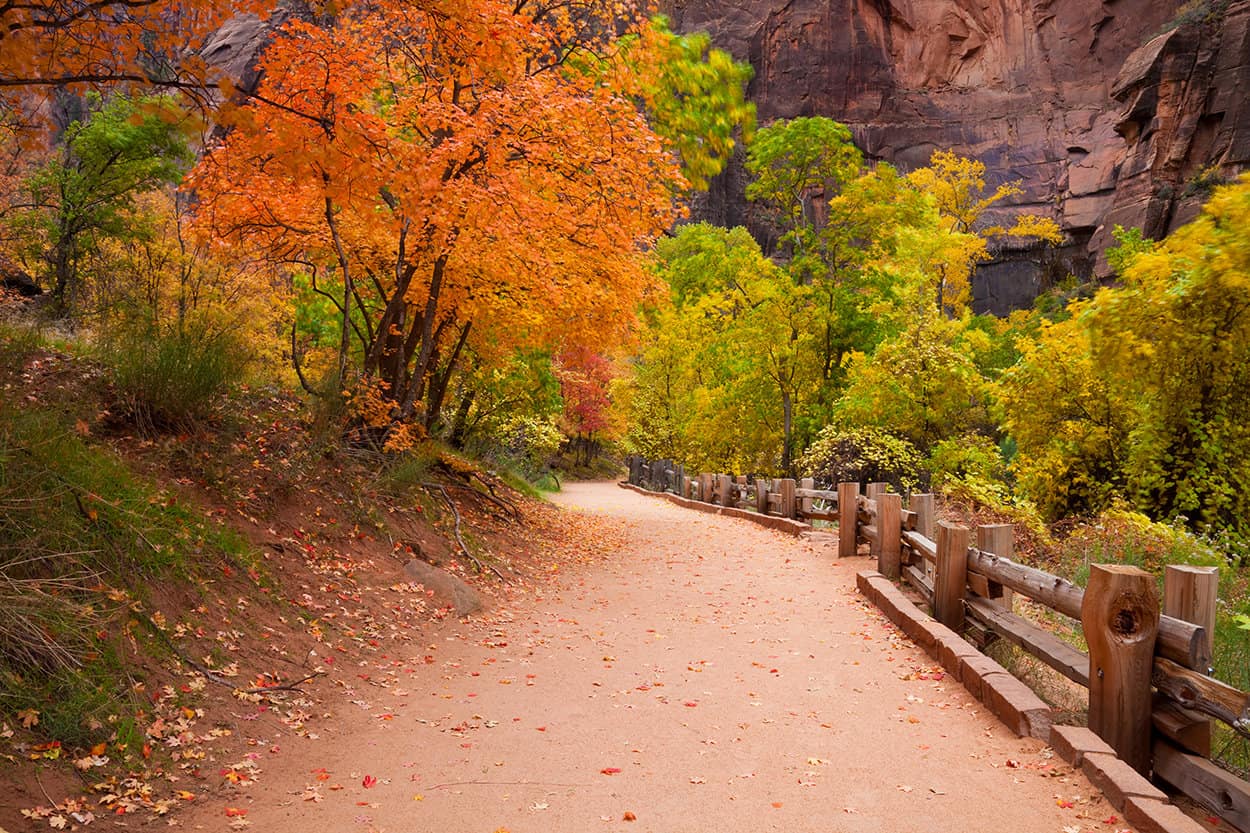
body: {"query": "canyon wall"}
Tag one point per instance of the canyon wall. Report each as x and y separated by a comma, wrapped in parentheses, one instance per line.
(1121, 112)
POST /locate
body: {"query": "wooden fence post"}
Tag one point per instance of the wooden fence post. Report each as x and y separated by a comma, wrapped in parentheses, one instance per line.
(740, 488)
(761, 495)
(873, 490)
(950, 575)
(679, 488)
(705, 487)
(726, 490)
(889, 534)
(805, 503)
(786, 490)
(848, 513)
(998, 539)
(1190, 593)
(922, 505)
(1120, 617)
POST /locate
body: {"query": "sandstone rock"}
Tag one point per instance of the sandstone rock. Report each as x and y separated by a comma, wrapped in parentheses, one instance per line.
(448, 590)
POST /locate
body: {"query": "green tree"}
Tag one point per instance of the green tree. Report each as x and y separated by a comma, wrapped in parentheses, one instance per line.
(696, 99)
(728, 357)
(799, 165)
(124, 148)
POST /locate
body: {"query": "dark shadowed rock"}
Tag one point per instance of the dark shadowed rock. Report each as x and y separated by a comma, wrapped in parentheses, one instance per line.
(13, 278)
(448, 590)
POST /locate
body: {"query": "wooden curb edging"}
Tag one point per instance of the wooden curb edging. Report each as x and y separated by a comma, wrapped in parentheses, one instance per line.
(1144, 806)
(780, 524)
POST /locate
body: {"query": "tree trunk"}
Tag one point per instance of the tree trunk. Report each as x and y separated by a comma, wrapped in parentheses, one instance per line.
(787, 442)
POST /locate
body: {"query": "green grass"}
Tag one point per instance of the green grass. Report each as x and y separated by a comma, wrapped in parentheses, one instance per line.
(82, 537)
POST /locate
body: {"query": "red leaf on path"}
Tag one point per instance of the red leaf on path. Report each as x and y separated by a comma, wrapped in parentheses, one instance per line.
(233, 812)
(540, 728)
(690, 703)
(1067, 805)
(610, 770)
(1110, 820)
(777, 804)
(369, 781)
(629, 816)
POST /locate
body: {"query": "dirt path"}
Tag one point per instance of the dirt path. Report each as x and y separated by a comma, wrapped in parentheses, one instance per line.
(710, 676)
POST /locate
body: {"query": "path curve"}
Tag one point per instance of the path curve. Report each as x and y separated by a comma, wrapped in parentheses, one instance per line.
(710, 676)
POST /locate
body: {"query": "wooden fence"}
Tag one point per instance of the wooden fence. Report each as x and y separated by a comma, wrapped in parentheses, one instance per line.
(1147, 668)
(780, 497)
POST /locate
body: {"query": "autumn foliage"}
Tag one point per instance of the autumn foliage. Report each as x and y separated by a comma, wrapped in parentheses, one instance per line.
(445, 170)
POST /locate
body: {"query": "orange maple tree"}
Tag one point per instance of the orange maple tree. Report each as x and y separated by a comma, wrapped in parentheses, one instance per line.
(447, 173)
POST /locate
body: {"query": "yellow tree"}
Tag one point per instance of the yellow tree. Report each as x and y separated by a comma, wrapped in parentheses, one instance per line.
(441, 169)
(957, 185)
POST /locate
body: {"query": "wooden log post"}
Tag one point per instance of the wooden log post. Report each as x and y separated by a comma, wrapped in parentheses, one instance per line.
(848, 511)
(761, 495)
(1120, 617)
(926, 513)
(679, 487)
(805, 504)
(950, 574)
(785, 488)
(922, 505)
(889, 535)
(725, 490)
(998, 539)
(705, 487)
(740, 488)
(874, 490)
(1189, 594)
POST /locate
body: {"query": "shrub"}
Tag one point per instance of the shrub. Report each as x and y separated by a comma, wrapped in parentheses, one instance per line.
(970, 468)
(172, 379)
(864, 455)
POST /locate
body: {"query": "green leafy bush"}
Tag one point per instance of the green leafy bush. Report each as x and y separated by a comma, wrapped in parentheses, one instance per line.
(864, 455)
(970, 468)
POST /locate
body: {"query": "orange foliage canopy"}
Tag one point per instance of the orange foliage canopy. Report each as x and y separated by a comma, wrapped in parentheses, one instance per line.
(448, 170)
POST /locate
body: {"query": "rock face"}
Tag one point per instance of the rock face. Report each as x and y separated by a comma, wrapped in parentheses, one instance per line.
(1107, 112)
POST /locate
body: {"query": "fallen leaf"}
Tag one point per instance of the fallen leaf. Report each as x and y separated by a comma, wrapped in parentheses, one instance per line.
(29, 717)
(369, 781)
(235, 812)
(629, 816)
(610, 770)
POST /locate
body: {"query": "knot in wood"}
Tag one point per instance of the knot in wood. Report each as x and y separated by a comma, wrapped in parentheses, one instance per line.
(1131, 618)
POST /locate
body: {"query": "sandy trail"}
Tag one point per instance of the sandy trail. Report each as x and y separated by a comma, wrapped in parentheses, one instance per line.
(711, 676)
